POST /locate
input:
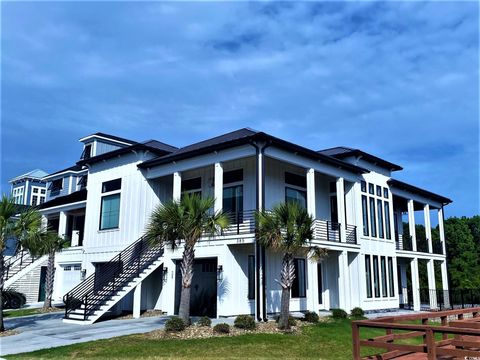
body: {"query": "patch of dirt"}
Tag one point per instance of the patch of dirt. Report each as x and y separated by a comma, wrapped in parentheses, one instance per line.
(50, 310)
(202, 332)
(9, 333)
(147, 313)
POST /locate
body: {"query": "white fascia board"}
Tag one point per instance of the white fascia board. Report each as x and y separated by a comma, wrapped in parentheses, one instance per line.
(53, 176)
(415, 197)
(195, 162)
(104, 138)
(65, 207)
(307, 163)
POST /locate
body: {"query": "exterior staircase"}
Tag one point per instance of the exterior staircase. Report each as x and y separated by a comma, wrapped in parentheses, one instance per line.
(19, 265)
(111, 282)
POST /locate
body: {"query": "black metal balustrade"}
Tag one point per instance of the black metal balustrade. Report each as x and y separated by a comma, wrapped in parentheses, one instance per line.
(242, 222)
(107, 280)
(326, 230)
(351, 232)
(437, 299)
(17, 263)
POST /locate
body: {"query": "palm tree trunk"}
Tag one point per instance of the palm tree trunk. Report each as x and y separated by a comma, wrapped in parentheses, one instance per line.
(186, 268)
(49, 281)
(2, 267)
(287, 277)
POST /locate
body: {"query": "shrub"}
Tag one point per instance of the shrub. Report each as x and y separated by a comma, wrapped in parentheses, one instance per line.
(357, 312)
(222, 328)
(291, 320)
(311, 317)
(175, 324)
(245, 322)
(339, 314)
(204, 321)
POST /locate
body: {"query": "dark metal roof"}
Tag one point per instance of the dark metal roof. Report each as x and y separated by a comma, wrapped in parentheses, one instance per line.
(416, 190)
(75, 168)
(74, 197)
(154, 146)
(241, 137)
(342, 152)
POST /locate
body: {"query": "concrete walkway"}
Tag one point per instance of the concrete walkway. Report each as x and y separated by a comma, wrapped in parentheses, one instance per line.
(47, 331)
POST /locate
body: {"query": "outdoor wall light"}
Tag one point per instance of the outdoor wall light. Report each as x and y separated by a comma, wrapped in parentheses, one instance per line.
(219, 272)
(165, 274)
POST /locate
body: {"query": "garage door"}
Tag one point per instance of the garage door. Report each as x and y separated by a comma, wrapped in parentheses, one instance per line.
(71, 276)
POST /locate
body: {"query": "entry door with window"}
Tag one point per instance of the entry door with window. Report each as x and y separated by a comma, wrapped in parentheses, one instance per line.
(233, 203)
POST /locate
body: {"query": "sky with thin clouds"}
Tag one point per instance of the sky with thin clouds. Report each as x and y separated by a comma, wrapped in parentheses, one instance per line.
(397, 79)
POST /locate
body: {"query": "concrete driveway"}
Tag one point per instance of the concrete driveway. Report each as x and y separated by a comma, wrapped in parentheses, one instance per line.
(47, 331)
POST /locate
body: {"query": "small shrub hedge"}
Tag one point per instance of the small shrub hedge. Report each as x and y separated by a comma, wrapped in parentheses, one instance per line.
(175, 324)
(204, 321)
(357, 313)
(339, 314)
(245, 322)
(311, 317)
(222, 328)
(291, 320)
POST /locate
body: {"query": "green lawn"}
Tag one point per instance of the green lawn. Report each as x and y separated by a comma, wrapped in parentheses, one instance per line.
(328, 340)
(21, 312)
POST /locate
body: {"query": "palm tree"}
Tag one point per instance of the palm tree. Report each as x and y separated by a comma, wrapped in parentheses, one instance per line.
(186, 220)
(14, 223)
(288, 229)
(46, 243)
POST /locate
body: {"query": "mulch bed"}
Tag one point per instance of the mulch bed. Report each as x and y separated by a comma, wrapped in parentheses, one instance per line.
(9, 333)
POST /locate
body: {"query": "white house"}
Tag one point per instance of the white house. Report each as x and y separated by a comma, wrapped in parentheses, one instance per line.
(356, 203)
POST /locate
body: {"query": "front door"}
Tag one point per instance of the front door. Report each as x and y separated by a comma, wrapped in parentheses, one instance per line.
(41, 287)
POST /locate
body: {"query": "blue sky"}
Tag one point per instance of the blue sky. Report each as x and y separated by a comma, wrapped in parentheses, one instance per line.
(399, 80)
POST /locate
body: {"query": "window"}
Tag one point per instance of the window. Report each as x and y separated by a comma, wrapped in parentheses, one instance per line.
(87, 152)
(110, 212)
(56, 185)
(82, 182)
(233, 202)
(368, 275)
(365, 215)
(192, 186)
(111, 185)
(387, 220)
(376, 282)
(294, 195)
(34, 200)
(383, 265)
(379, 190)
(251, 277)
(390, 277)
(233, 176)
(373, 220)
(42, 199)
(380, 218)
(299, 283)
(385, 193)
(35, 190)
(333, 187)
(320, 283)
(371, 189)
(77, 267)
(363, 186)
(43, 191)
(296, 180)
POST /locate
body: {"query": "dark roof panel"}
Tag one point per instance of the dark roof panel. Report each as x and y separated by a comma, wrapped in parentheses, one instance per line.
(75, 168)
(416, 190)
(342, 152)
(160, 145)
(74, 197)
(113, 137)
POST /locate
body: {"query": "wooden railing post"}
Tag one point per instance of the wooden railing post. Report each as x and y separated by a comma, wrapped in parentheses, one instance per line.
(356, 341)
(431, 348)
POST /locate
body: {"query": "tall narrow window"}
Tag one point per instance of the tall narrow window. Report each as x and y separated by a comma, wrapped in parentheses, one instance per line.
(251, 277)
(365, 215)
(233, 203)
(373, 221)
(380, 218)
(110, 212)
(388, 234)
(376, 280)
(390, 277)
(368, 276)
(299, 283)
(320, 283)
(384, 276)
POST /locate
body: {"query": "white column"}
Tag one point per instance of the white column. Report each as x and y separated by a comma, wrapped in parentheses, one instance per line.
(137, 301)
(218, 187)
(428, 227)
(443, 268)
(312, 278)
(432, 293)
(177, 186)
(441, 229)
(341, 208)
(411, 224)
(26, 199)
(311, 192)
(415, 284)
(344, 281)
(62, 224)
(44, 222)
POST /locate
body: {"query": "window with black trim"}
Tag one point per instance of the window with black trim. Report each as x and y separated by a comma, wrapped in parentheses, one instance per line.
(368, 276)
(363, 186)
(295, 195)
(376, 277)
(385, 193)
(365, 214)
(87, 152)
(251, 277)
(192, 186)
(233, 176)
(82, 182)
(56, 185)
(233, 203)
(383, 266)
(299, 287)
(373, 219)
(111, 185)
(296, 180)
(386, 206)
(380, 218)
(390, 277)
(110, 204)
(371, 189)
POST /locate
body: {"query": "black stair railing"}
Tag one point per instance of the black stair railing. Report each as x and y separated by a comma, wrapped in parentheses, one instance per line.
(17, 263)
(111, 277)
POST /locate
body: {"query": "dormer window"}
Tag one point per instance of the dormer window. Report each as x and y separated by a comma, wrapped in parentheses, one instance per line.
(87, 152)
(56, 186)
(82, 182)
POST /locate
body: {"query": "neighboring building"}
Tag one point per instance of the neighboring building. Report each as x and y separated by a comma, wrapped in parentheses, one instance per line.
(29, 188)
(356, 203)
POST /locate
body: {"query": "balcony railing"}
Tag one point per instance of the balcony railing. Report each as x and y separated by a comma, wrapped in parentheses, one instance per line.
(241, 223)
